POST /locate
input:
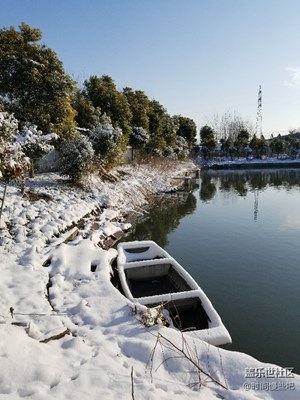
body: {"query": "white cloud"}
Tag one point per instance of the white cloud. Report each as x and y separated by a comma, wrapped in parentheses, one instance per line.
(294, 77)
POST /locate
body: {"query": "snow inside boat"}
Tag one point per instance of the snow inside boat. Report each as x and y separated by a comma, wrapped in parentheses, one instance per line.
(150, 276)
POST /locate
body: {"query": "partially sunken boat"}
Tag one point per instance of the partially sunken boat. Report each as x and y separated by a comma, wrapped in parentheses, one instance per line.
(150, 276)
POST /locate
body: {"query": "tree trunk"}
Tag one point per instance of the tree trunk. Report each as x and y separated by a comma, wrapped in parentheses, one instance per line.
(3, 199)
(31, 169)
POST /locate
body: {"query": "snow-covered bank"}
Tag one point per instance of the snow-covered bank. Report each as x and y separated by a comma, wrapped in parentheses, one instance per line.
(105, 352)
(251, 163)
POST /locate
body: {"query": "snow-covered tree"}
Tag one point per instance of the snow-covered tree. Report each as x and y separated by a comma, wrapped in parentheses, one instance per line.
(8, 126)
(35, 144)
(13, 165)
(168, 151)
(33, 81)
(76, 157)
(13, 161)
(182, 147)
(139, 137)
(107, 143)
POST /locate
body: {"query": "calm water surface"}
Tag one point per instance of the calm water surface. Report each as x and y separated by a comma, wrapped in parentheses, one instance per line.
(238, 234)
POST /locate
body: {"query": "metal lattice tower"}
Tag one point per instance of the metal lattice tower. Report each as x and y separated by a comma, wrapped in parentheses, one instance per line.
(258, 129)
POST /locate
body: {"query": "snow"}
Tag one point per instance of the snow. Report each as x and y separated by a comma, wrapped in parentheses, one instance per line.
(86, 340)
(226, 162)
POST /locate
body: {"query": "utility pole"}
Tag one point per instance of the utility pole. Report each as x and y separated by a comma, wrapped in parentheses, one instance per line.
(258, 128)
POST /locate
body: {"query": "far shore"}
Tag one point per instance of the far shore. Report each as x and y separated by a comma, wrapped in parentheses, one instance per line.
(248, 164)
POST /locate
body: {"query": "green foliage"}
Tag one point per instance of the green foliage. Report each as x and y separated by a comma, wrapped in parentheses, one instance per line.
(138, 138)
(162, 128)
(258, 145)
(139, 106)
(33, 81)
(76, 157)
(242, 138)
(186, 129)
(277, 146)
(88, 116)
(103, 94)
(241, 142)
(208, 137)
(108, 143)
(35, 86)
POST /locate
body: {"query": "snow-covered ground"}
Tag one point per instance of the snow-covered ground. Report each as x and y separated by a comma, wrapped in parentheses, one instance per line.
(67, 333)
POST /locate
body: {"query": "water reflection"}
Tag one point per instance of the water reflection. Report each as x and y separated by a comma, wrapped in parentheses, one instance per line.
(241, 182)
(164, 217)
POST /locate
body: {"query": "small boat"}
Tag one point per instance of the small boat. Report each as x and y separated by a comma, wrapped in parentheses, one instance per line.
(150, 276)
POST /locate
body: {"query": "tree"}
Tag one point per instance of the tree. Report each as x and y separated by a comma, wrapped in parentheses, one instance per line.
(186, 129)
(293, 145)
(107, 143)
(35, 144)
(33, 82)
(102, 93)
(277, 146)
(140, 107)
(241, 141)
(88, 116)
(139, 137)
(162, 128)
(13, 161)
(229, 125)
(208, 137)
(182, 147)
(258, 145)
(76, 157)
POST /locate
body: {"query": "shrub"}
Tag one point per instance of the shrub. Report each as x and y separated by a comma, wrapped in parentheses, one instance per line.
(76, 157)
(108, 144)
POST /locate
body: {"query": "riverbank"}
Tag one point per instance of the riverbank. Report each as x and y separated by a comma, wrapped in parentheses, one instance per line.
(242, 163)
(55, 290)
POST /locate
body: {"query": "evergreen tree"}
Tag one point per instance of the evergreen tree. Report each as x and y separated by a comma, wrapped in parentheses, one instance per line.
(208, 137)
(259, 146)
(277, 146)
(76, 157)
(33, 82)
(88, 116)
(241, 141)
(186, 129)
(102, 93)
(138, 138)
(162, 128)
(108, 144)
(139, 106)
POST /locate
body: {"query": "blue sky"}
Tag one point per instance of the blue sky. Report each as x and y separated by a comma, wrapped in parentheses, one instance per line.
(196, 57)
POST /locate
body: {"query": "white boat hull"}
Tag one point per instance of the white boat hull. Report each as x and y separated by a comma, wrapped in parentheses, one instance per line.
(150, 276)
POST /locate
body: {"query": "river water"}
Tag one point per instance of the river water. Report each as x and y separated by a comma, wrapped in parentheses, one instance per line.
(238, 235)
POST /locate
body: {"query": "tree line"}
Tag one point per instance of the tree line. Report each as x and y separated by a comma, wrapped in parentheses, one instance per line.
(233, 137)
(90, 125)
(94, 120)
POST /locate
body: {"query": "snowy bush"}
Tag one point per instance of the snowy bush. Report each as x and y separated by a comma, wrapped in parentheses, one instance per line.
(168, 151)
(76, 157)
(13, 162)
(8, 126)
(35, 144)
(107, 143)
(13, 165)
(182, 147)
(139, 137)
(156, 152)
